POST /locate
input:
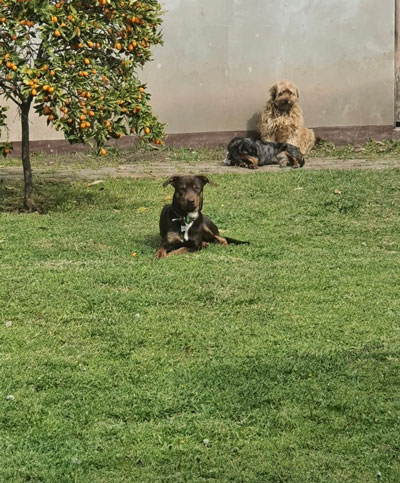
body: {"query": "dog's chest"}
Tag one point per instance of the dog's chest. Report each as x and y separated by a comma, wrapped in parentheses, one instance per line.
(283, 128)
(184, 225)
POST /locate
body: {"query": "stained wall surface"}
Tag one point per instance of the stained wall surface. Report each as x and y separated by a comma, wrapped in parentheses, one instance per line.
(221, 56)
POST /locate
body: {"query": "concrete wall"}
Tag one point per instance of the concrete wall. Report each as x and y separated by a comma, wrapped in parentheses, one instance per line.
(221, 56)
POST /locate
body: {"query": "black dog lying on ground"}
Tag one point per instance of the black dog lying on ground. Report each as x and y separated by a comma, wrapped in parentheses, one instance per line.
(183, 227)
(251, 153)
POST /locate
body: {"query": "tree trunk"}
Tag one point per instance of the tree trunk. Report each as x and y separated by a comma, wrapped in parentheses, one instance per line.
(26, 161)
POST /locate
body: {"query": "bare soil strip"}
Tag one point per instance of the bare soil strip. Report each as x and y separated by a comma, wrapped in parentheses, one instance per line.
(160, 169)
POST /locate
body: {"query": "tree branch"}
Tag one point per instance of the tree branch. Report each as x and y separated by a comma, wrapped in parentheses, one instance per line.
(6, 93)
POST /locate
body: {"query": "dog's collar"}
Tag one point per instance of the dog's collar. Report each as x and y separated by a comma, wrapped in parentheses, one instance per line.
(186, 223)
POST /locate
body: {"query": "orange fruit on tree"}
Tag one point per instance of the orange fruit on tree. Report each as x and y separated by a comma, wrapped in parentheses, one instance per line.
(57, 33)
(51, 89)
(34, 92)
(103, 152)
(118, 46)
(86, 61)
(147, 130)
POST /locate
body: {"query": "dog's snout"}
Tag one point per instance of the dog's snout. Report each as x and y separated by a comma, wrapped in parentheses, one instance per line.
(191, 200)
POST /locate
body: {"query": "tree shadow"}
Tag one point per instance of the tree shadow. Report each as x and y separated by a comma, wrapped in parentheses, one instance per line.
(49, 195)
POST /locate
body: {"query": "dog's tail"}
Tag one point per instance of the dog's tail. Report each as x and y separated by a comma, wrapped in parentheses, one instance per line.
(232, 241)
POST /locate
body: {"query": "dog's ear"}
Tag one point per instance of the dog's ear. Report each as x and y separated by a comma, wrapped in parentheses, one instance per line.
(204, 180)
(171, 180)
(273, 91)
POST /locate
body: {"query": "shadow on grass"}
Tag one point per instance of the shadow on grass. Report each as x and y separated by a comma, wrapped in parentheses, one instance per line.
(48, 196)
(152, 241)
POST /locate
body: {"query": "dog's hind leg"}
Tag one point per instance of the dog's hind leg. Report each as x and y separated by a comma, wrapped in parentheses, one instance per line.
(210, 234)
(292, 160)
(283, 159)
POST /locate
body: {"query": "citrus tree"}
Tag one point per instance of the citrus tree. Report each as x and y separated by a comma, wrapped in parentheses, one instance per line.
(76, 62)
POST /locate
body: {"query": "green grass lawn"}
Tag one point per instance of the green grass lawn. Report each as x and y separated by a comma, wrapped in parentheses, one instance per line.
(274, 362)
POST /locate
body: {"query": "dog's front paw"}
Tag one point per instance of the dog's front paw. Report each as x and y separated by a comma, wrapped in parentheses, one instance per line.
(227, 161)
(161, 253)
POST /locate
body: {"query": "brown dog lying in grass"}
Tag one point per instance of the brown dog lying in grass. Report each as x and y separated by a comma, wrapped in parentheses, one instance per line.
(183, 227)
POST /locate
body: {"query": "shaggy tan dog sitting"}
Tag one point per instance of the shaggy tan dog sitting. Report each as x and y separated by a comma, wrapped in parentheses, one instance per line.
(282, 118)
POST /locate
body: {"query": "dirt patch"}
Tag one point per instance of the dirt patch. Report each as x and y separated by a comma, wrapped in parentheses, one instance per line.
(157, 168)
